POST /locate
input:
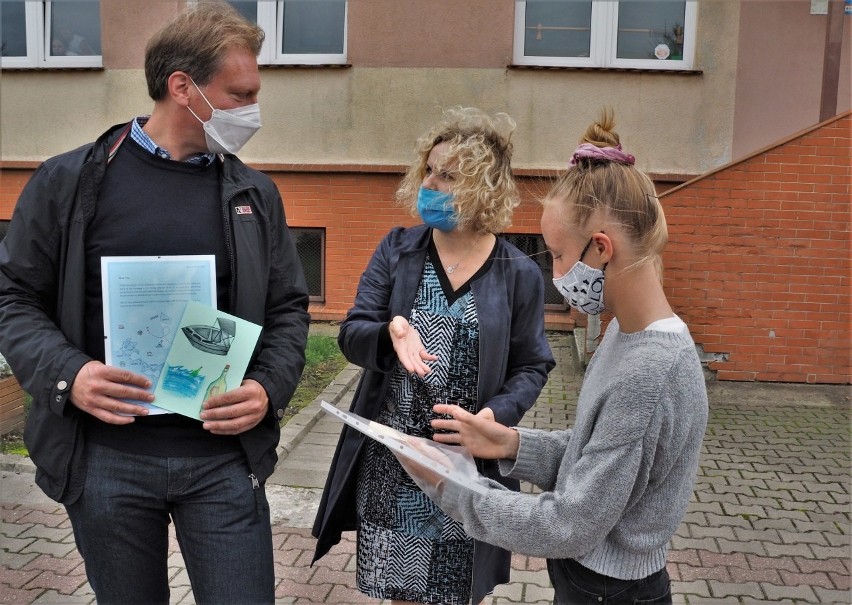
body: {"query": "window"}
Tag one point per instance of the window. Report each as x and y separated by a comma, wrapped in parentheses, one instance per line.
(533, 246)
(61, 33)
(635, 34)
(310, 245)
(299, 31)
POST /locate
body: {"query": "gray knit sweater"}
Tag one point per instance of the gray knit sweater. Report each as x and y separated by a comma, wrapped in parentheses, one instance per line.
(616, 485)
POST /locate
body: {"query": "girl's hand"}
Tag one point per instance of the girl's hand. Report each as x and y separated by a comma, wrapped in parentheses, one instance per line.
(480, 434)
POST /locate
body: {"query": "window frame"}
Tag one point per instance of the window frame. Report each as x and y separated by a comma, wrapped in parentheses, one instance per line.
(270, 17)
(38, 18)
(603, 42)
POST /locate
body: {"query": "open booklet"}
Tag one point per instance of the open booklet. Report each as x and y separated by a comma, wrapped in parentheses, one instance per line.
(451, 462)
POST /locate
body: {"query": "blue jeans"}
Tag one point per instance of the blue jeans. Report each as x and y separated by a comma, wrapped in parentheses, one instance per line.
(574, 584)
(221, 521)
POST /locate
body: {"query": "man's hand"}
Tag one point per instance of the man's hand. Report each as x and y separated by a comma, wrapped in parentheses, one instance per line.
(480, 434)
(236, 411)
(409, 348)
(99, 390)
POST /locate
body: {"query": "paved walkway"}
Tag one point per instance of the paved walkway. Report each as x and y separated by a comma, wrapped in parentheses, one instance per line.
(769, 521)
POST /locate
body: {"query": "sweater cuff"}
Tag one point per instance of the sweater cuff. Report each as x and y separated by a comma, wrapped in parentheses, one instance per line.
(524, 465)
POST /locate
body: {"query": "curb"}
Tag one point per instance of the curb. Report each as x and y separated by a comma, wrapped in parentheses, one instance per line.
(16, 464)
(292, 433)
(300, 425)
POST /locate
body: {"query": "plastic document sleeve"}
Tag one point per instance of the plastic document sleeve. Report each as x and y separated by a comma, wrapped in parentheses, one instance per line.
(451, 462)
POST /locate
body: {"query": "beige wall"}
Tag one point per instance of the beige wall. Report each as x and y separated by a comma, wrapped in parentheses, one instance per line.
(129, 25)
(43, 113)
(779, 72)
(372, 113)
(437, 33)
(673, 124)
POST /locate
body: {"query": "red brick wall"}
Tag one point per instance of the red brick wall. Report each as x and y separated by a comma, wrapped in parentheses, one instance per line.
(758, 262)
(356, 209)
(11, 183)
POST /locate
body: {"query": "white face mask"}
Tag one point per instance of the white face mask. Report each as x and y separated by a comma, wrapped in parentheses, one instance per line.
(582, 286)
(228, 130)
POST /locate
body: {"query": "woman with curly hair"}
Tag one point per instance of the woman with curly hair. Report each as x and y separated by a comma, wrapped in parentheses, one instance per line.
(446, 312)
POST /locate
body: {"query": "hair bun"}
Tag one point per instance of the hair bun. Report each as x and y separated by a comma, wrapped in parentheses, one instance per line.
(601, 132)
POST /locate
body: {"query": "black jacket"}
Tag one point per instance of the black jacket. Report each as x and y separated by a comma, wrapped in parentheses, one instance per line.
(514, 360)
(42, 303)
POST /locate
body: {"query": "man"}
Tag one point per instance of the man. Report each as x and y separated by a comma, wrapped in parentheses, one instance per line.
(167, 184)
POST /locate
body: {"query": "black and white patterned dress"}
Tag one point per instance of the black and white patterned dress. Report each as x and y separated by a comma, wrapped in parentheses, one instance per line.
(408, 549)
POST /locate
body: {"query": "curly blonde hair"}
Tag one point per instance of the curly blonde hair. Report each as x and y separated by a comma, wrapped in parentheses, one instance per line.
(479, 156)
(621, 192)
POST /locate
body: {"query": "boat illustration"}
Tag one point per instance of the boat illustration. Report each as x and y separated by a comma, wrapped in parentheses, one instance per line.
(214, 339)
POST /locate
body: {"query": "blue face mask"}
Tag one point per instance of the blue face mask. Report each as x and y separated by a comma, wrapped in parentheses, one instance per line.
(436, 209)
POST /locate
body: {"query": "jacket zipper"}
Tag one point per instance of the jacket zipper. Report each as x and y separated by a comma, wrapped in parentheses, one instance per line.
(229, 247)
(226, 211)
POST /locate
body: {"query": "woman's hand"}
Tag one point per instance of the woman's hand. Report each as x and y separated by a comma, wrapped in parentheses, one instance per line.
(480, 434)
(409, 348)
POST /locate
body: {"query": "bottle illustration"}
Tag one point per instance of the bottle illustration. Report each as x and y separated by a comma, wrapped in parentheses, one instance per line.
(218, 386)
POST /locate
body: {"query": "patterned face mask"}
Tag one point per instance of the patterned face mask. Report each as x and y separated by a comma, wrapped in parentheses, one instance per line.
(582, 286)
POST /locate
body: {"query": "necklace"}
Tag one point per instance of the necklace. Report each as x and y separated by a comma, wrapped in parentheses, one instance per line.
(452, 268)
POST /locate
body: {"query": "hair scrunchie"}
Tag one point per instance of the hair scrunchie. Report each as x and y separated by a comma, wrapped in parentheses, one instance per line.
(612, 154)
